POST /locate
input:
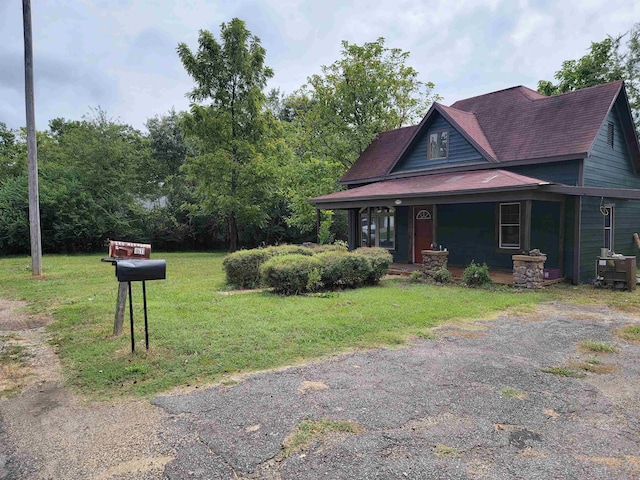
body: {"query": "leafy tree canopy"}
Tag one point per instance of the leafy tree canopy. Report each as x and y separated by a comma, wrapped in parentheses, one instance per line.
(237, 140)
(370, 89)
(332, 119)
(614, 58)
(13, 153)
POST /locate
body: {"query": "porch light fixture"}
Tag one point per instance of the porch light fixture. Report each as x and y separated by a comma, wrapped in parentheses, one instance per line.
(398, 202)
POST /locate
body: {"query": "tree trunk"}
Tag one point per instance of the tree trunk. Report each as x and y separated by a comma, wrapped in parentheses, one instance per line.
(233, 233)
(122, 301)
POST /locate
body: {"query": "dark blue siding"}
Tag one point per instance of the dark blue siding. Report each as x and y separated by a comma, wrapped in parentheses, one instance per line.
(545, 231)
(401, 255)
(460, 151)
(468, 232)
(569, 235)
(567, 173)
(610, 167)
(626, 222)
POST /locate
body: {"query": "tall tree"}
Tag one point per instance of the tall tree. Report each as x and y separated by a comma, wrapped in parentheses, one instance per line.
(232, 130)
(614, 58)
(336, 115)
(369, 90)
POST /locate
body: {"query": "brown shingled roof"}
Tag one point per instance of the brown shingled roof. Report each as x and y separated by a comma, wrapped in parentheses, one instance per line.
(380, 155)
(437, 184)
(508, 125)
(468, 122)
(520, 124)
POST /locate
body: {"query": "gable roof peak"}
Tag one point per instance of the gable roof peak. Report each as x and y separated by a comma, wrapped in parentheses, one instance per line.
(513, 124)
(518, 89)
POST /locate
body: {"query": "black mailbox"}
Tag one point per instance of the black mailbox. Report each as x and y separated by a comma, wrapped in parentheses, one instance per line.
(141, 270)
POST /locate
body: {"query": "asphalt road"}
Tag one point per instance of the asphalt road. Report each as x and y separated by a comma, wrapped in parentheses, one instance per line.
(472, 403)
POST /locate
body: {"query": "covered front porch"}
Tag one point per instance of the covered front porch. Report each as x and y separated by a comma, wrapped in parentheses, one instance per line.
(498, 276)
(483, 216)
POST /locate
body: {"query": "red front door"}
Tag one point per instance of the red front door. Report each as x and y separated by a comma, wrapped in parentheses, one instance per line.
(423, 230)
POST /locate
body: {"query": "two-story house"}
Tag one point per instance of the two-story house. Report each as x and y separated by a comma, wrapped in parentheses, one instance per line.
(499, 174)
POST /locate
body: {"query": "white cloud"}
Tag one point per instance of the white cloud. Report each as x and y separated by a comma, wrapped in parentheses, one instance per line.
(121, 53)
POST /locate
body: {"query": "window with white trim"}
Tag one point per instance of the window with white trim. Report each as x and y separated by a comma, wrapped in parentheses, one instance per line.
(438, 145)
(377, 227)
(509, 229)
(607, 211)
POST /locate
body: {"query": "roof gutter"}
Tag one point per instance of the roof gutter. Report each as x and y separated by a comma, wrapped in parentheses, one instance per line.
(620, 193)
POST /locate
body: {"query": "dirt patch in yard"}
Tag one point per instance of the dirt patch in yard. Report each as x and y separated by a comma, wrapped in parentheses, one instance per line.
(48, 432)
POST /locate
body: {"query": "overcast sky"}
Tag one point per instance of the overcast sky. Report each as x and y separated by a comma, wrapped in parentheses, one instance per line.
(121, 54)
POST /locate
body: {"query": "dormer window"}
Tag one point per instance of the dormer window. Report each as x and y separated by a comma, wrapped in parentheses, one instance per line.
(438, 145)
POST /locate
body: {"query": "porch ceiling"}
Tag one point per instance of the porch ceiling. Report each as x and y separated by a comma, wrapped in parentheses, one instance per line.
(439, 185)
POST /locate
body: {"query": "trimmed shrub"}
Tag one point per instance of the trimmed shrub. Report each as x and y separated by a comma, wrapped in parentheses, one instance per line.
(339, 269)
(243, 267)
(476, 275)
(291, 274)
(442, 276)
(334, 247)
(417, 276)
(288, 250)
(379, 258)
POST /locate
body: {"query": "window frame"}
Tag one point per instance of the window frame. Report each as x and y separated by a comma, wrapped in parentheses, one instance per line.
(608, 232)
(378, 213)
(429, 150)
(500, 224)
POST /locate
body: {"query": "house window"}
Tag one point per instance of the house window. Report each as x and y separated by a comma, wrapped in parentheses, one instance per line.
(509, 225)
(610, 134)
(608, 227)
(377, 227)
(438, 145)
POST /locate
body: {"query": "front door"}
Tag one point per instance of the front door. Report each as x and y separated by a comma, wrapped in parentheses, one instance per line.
(423, 230)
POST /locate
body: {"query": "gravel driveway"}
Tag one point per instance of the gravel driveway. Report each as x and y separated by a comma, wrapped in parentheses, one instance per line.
(472, 403)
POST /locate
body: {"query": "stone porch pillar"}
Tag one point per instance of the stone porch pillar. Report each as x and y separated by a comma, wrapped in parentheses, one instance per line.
(433, 260)
(528, 270)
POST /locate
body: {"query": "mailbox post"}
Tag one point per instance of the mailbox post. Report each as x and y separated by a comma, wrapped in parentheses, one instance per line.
(140, 271)
(132, 264)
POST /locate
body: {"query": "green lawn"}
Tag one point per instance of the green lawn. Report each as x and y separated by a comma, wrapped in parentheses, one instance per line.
(199, 335)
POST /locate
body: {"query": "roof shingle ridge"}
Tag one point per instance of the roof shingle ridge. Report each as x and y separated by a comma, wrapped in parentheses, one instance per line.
(457, 109)
(515, 87)
(600, 85)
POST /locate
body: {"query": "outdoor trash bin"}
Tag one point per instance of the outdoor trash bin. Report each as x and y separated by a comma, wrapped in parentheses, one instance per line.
(141, 270)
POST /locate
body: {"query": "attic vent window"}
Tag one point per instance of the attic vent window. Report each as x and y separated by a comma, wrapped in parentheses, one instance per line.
(610, 134)
(438, 145)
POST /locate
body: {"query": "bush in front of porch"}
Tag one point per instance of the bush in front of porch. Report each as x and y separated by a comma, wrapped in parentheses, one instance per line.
(329, 270)
(476, 275)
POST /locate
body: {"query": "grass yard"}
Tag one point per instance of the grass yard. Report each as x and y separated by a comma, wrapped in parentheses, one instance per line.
(199, 335)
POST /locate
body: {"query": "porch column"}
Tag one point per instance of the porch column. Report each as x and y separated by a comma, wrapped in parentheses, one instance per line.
(434, 260)
(528, 270)
(527, 225)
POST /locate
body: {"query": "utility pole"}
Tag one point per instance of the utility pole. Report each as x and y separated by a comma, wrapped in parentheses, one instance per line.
(32, 147)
